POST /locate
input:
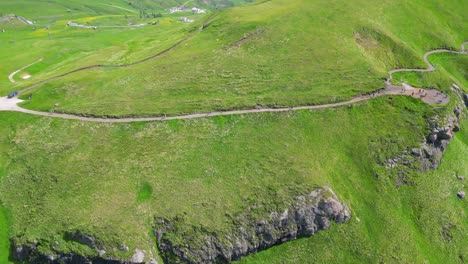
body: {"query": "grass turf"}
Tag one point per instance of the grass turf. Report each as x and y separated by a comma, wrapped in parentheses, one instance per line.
(402, 225)
(61, 176)
(340, 50)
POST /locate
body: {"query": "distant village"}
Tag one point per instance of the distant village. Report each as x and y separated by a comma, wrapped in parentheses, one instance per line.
(194, 10)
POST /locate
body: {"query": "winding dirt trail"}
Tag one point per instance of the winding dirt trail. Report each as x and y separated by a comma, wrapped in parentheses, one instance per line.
(430, 66)
(12, 75)
(431, 96)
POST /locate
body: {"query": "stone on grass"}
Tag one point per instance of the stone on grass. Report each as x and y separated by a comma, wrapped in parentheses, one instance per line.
(124, 248)
(138, 257)
(461, 195)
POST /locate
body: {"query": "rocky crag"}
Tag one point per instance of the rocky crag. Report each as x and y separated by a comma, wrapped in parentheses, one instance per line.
(252, 231)
(28, 253)
(428, 155)
(181, 243)
(305, 216)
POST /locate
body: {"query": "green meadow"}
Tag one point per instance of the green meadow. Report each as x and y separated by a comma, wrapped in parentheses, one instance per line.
(449, 68)
(293, 53)
(407, 227)
(110, 180)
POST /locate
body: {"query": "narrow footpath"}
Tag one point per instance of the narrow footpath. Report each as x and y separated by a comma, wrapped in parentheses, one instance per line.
(432, 96)
(12, 75)
(429, 96)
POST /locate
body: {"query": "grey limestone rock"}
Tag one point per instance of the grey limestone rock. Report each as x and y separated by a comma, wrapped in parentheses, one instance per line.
(305, 216)
(83, 239)
(138, 257)
(461, 195)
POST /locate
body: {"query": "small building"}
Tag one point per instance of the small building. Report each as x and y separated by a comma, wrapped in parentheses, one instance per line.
(177, 9)
(198, 11)
(186, 20)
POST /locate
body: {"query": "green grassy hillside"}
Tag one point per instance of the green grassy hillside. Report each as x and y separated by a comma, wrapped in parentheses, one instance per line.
(408, 228)
(450, 68)
(110, 180)
(258, 55)
(165, 4)
(59, 176)
(67, 48)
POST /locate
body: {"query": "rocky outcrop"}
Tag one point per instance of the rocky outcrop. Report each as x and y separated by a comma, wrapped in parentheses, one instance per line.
(82, 239)
(430, 152)
(29, 254)
(250, 232)
(180, 242)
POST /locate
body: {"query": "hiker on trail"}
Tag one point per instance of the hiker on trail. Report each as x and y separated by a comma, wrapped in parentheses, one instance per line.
(412, 94)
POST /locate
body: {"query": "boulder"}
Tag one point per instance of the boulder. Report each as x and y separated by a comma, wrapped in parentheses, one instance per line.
(416, 152)
(82, 239)
(138, 257)
(461, 195)
(124, 248)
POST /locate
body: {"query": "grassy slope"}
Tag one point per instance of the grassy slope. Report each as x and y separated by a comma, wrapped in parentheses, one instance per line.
(319, 61)
(73, 47)
(407, 228)
(453, 65)
(61, 175)
(325, 147)
(165, 4)
(410, 218)
(4, 243)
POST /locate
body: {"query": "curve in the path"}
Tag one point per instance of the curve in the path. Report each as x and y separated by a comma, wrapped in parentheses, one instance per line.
(431, 96)
(12, 75)
(430, 66)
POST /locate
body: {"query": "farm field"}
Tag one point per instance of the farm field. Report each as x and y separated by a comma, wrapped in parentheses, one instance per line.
(215, 188)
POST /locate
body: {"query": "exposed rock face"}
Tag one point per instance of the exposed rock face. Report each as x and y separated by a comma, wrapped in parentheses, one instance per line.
(428, 155)
(304, 217)
(181, 243)
(30, 254)
(82, 238)
(138, 257)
